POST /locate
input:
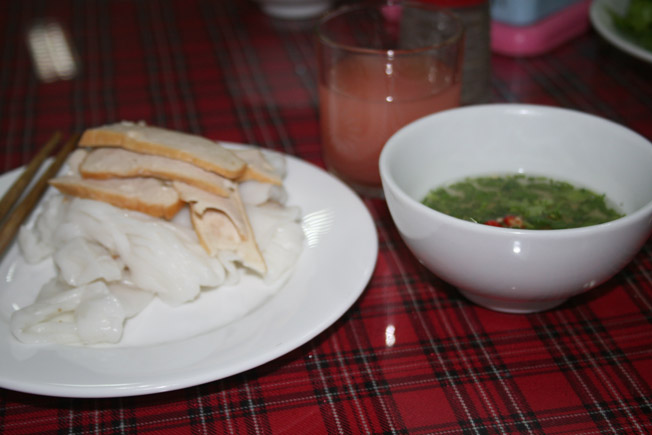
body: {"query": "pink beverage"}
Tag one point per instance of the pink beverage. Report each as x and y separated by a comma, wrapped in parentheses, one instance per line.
(367, 99)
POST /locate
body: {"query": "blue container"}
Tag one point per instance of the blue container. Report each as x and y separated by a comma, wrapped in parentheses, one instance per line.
(525, 12)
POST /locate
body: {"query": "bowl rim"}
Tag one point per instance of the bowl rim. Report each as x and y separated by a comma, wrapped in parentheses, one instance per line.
(389, 183)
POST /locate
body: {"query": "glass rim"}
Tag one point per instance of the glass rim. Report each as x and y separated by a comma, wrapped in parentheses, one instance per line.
(327, 41)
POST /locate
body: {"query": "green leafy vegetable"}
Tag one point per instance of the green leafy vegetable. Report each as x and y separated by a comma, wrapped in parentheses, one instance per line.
(636, 23)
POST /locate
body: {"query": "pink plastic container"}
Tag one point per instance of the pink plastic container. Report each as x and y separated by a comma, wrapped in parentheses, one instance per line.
(543, 35)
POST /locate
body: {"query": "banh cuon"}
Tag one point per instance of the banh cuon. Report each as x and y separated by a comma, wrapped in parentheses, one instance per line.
(522, 201)
(141, 213)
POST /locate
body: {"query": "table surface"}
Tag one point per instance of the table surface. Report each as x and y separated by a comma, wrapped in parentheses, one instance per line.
(225, 70)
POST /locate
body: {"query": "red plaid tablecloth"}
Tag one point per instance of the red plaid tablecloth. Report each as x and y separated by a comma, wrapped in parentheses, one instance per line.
(411, 356)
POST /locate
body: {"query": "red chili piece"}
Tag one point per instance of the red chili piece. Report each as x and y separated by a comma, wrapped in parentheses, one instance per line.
(509, 221)
(513, 221)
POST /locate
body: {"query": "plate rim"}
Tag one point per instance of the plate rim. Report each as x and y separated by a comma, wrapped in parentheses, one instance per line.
(605, 28)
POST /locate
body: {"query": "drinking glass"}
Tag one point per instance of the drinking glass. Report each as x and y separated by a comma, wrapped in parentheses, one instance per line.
(380, 67)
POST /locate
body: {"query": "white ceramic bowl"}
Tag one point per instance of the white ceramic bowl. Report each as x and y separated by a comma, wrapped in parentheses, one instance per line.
(295, 9)
(515, 270)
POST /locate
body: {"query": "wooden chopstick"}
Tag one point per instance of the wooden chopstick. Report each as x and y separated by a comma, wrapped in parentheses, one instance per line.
(18, 215)
(18, 187)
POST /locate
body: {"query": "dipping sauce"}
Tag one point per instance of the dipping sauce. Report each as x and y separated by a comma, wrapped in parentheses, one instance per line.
(520, 201)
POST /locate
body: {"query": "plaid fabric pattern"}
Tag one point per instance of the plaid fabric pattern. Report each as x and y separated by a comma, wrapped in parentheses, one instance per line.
(411, 356)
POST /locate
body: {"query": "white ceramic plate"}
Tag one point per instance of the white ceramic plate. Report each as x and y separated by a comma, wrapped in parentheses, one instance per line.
(601, 21)
(334, 268)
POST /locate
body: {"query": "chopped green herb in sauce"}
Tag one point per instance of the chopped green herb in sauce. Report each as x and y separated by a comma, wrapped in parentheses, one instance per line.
(520, 201)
